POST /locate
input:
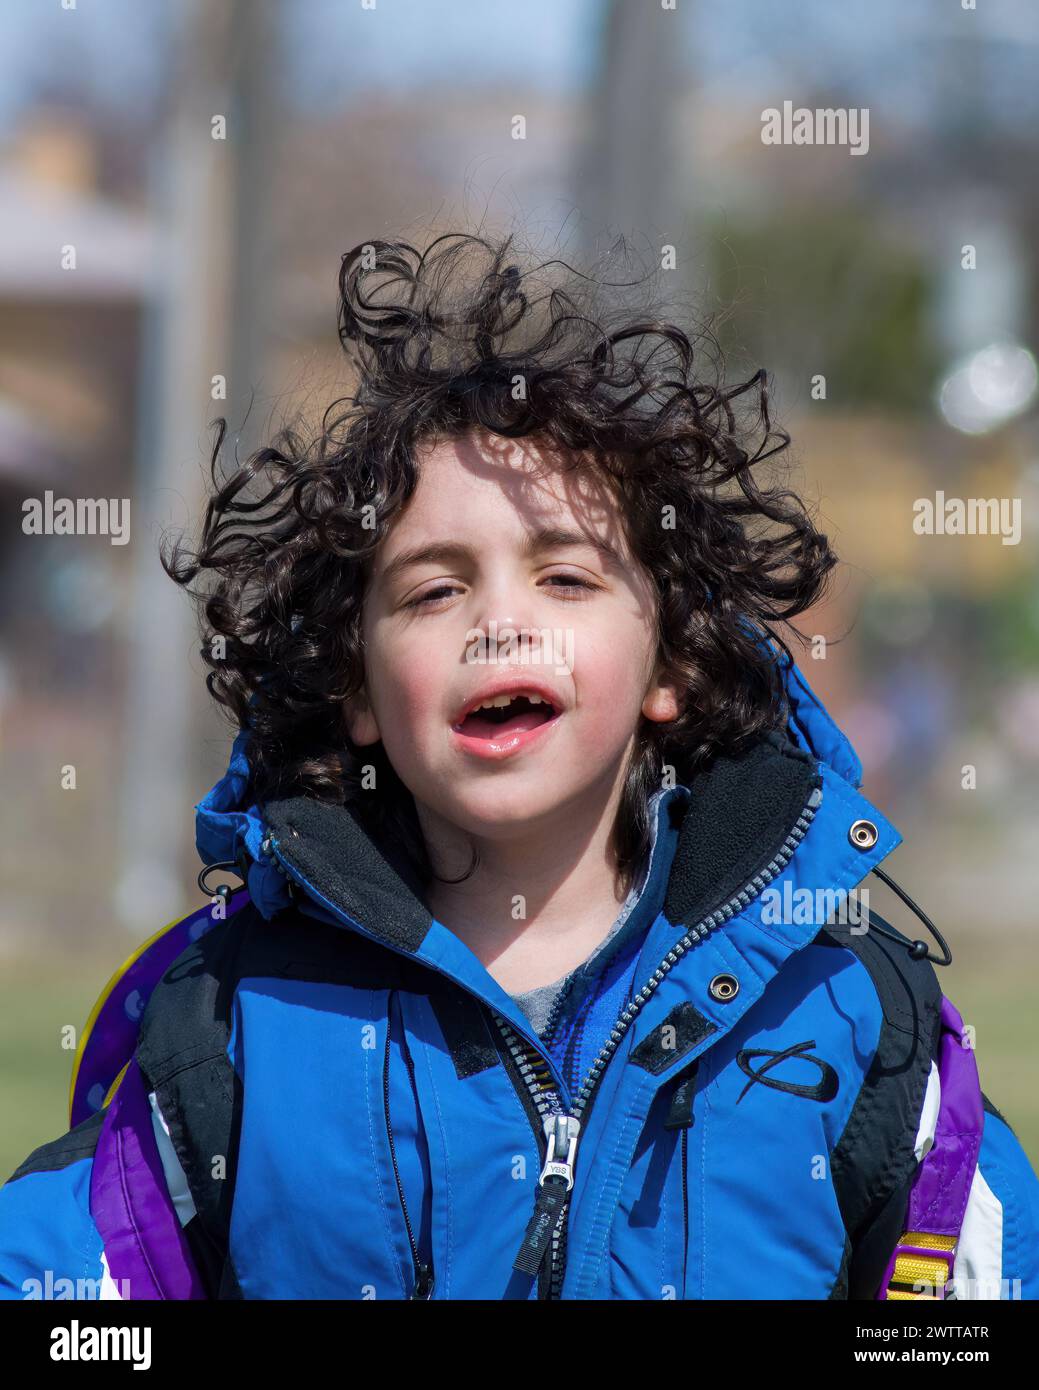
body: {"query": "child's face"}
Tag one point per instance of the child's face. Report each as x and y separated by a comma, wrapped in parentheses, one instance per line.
(592, 648)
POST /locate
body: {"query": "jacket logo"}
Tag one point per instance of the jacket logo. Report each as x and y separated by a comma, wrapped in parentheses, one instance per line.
(824, 1089)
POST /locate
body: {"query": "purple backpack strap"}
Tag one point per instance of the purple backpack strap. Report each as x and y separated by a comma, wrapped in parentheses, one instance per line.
(130, 1202)
(925, 1255)
(111, 1033)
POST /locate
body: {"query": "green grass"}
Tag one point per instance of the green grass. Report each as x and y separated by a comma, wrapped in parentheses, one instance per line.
(999, 1000)
(36, 1003)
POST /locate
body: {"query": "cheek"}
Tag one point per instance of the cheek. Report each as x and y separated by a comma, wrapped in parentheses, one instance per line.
(611, 674)
(408, 692)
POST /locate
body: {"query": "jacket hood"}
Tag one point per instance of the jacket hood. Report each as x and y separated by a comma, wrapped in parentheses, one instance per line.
(230, 829)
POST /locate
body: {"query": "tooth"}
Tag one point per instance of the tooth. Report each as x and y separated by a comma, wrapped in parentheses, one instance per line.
(500, 701)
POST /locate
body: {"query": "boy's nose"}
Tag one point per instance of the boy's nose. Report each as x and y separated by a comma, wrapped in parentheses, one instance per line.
(509, 636)
(503, 630)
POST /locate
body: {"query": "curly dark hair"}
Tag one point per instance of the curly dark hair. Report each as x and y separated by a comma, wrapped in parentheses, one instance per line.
(438, 341)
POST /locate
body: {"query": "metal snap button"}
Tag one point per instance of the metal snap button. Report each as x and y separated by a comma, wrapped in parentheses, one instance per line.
(723, 988)
(863, 834)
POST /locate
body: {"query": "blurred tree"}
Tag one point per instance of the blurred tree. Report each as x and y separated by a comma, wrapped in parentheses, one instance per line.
(826, 290)
(1011, 624)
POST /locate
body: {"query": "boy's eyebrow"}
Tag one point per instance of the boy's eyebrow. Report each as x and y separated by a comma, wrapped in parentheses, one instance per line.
(547, 538)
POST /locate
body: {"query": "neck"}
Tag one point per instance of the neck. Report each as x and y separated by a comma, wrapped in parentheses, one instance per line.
(541, 899)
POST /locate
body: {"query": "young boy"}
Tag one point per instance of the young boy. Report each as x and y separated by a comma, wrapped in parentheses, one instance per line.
(554, 977)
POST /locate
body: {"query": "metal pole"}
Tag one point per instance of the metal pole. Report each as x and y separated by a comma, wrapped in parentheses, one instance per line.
(196, 327)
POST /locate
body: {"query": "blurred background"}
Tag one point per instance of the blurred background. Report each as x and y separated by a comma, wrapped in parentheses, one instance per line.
(179, 180)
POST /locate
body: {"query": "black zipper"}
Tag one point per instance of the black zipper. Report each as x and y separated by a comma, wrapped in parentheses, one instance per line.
(548, 1116)
(539, 1101)
(423, 1286)
(557, 1176)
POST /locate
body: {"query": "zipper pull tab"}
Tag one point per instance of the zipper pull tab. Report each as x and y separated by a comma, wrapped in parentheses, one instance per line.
(561, 1133)
(554, 1184)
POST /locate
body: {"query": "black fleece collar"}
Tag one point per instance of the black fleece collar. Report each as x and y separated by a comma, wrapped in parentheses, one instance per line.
(741, 811)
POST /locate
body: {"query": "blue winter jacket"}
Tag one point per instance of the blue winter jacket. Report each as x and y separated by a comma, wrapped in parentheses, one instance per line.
(329, 1096)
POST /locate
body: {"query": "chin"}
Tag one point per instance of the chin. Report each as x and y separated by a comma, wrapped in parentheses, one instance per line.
(493, 812)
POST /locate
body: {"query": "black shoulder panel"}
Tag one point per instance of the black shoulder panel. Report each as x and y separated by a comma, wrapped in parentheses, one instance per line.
(77, 1143)
(873, 1163)
(182, 1050)
(840, 1284)
(182, 1054)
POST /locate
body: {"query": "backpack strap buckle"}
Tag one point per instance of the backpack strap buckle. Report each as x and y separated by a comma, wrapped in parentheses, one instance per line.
(920, 1267)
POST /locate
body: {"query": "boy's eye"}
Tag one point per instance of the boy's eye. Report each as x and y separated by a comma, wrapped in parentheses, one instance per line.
(562, 583)
(429, 594)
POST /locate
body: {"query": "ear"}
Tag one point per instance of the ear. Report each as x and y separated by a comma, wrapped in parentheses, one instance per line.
(360, 719)
(663, 701)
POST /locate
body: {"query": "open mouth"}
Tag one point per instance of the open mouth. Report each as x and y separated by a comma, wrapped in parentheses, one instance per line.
(501, 718)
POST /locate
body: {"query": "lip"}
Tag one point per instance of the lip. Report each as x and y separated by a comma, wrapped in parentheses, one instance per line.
(495, 749)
